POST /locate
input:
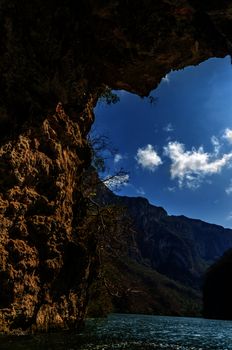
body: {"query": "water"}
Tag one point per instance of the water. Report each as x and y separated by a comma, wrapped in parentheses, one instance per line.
(133, 332)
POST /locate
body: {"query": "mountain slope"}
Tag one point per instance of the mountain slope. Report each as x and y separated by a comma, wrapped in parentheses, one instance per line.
(161, 268)
(68, 51)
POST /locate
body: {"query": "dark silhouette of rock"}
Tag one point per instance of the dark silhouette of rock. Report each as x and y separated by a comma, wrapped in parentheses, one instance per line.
(217, 289)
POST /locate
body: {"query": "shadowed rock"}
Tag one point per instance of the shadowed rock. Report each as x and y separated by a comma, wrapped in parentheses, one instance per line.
(68, 51)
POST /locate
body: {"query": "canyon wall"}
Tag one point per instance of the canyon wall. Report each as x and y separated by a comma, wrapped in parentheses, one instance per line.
(155, 263)
(56, 59)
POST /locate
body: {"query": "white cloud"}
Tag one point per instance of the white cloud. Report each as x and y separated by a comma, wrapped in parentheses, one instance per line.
(216, 144)
(140, 191)
(229, 216)
(228, 190)
(166, 79)
(117, 158)
(168, 128)
(228, 135)
(171, 189)
(116, 181)
(148, 158)
(190, 167)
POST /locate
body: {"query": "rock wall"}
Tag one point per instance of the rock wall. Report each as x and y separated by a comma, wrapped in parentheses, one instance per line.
(64, 50)
(153, 263)
(217, 289)
(45, 267)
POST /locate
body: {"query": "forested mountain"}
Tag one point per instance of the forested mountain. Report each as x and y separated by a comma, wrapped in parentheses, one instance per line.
(153, 262)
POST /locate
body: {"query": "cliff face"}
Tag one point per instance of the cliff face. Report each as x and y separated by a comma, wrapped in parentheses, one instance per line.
(217, 289)
(45, 266)
(63, 50)
(177, 246)
(68, 51)
(161, 270)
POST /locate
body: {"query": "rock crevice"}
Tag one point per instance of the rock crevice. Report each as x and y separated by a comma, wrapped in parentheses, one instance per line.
(44, 266)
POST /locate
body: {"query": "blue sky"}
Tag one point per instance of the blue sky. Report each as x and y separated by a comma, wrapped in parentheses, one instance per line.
(178, 152)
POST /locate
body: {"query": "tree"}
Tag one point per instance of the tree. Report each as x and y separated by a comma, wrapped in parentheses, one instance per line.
(107, 223)
(102, 150)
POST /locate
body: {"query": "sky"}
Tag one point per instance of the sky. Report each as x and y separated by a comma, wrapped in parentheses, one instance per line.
(177, 151)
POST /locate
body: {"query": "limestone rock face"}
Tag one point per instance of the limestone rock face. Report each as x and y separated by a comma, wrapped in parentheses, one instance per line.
(62, 50)
(68, 51)
(45, 267)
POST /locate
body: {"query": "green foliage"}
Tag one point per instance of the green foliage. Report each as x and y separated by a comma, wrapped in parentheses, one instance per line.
(100, 302)
(130, 287)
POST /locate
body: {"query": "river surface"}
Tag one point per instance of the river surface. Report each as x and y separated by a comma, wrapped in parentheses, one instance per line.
(132, 332)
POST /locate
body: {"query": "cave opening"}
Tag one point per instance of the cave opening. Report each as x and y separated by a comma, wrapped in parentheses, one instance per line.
(176, 146)
(56, 58)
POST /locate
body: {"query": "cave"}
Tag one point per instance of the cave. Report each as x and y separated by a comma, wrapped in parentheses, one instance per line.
(57, 58)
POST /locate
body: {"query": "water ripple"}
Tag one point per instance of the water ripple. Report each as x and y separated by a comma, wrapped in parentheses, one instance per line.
(133, 332)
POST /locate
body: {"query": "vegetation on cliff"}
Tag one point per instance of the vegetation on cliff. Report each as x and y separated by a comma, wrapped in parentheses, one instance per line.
(158, 260)
(68, 51)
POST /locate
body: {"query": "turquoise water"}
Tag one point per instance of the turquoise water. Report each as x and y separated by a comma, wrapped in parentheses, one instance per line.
(133, 332)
